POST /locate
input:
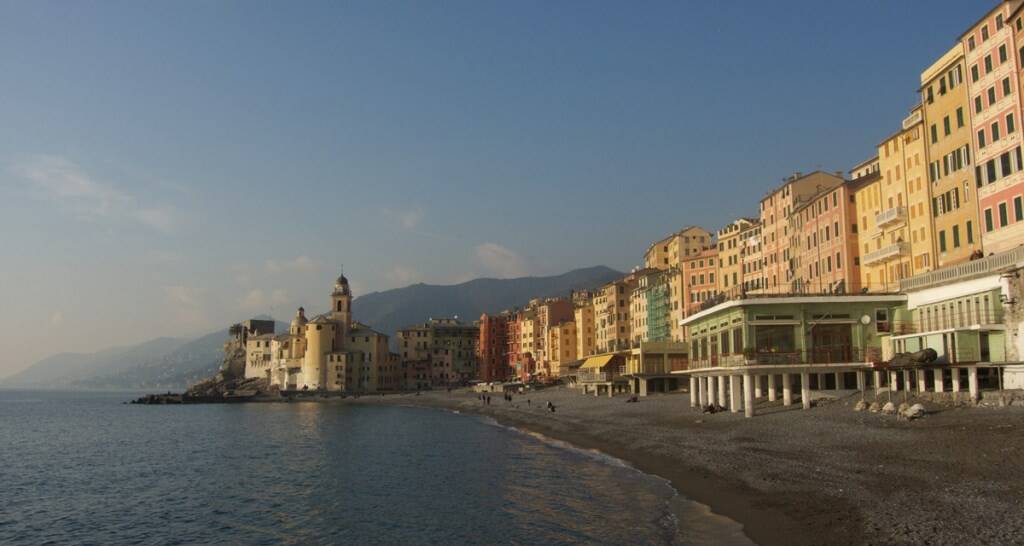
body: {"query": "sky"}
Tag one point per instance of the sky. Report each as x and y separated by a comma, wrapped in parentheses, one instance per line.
(169, 168)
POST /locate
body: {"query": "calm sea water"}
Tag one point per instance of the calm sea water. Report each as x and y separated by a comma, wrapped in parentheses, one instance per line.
(82, 468)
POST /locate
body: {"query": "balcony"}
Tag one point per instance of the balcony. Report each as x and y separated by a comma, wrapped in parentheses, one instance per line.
(890, 217)
(886, 253)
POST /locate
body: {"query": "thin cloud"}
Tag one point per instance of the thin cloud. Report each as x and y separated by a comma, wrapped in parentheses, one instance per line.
(408, 219)
(66, 184)
(500, 261)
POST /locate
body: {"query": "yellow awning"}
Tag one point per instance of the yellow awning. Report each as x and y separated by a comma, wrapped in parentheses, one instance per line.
(597, 362)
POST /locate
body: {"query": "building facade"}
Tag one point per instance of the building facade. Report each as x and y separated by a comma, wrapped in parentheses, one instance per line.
(994, 86)
(492, 346)
(947, 114)
(824, 246)
(449, 346)
(730, 255)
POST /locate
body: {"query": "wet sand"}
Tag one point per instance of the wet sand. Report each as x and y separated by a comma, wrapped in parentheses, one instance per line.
(828, 475)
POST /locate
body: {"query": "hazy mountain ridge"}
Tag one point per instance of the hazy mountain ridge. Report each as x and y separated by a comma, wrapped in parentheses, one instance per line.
(175, 363)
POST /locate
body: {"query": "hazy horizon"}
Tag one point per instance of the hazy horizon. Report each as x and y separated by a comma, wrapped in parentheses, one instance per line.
(168, 168)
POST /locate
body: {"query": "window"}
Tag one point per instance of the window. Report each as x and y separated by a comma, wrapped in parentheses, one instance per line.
(988, 219)
(1006, 87)
(995, 131)
(1003, 220)
(1002, 53)
(991, 95)
(1010, 126)
(981, 138)
(945, 126)
(999, 21)
(1018, 212)
(935, 134)
(970, 233)
(988, 64)
(984, 33)
(959, 117)
(942, 241)
(977, 104)
(956, 236)
(971, 44)
(990, 167)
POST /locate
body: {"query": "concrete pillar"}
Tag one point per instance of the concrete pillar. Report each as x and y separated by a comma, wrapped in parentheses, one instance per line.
(839, 380)
(757, 385)
(721, 391)
(734, 393)
(805, 390)
(922, 383)
(938, 379)
(702, 387)
(956, 379)
(787, 390)
(877, 378)
(972, 382)
(771, 387)
(611, 390)
(821, 382)
(906, 381)
(712, 400)
(861, 380)
(748, 394)
(893, 384)
(643, 387)
(693, 391)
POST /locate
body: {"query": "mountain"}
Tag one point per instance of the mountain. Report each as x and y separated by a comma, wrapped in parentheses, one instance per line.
(173, 363)
(393, 309)
(66, 369)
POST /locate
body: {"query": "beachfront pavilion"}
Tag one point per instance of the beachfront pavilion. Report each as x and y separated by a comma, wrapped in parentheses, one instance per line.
(603, 375)
(650, 366)
(756, 346)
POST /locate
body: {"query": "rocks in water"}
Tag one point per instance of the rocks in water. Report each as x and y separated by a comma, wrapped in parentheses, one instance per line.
(889, 408)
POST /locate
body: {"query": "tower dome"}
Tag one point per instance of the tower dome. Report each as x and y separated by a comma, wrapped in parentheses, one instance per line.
(299, 321)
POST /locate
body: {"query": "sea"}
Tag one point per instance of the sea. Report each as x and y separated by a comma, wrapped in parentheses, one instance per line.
(86, 468)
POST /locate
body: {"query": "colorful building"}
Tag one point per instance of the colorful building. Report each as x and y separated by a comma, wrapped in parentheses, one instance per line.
(994, 86)
(700, 271)
(492, 347)
(947, 114)
(824, 246)
(730, 255)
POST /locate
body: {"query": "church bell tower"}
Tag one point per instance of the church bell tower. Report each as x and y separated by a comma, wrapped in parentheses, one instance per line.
(341, 307)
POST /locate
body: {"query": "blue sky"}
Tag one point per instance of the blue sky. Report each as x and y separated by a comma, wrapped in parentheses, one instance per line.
(169, 168)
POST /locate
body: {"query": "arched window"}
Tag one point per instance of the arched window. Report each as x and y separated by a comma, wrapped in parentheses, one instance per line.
(339, 305)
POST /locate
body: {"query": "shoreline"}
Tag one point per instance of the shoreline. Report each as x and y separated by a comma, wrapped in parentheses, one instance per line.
(762, 525)
(828, 475)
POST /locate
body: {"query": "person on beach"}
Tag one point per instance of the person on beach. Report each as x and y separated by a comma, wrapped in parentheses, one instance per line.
(551, 407)
(527, 401)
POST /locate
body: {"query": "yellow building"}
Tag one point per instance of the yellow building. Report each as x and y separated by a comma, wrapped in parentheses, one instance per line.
(947, 115)
(670, 251)
(896, 233)
(752, 258)
(730, 255)
(611, 315)
(561, 347)
(585, 326)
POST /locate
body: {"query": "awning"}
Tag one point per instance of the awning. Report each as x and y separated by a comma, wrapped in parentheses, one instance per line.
(597, 362)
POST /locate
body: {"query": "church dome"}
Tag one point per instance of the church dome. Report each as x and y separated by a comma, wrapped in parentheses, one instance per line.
(342, 281)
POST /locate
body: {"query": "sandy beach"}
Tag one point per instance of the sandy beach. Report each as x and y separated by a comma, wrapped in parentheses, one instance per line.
(829, 475)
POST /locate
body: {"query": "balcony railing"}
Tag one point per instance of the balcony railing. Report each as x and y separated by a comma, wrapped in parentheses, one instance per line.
(587, 376)
(953, 321)
(886, 253)
(821, 355)
(974, 268)
(888, 217)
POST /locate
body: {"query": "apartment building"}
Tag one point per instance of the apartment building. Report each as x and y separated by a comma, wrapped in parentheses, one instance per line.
(730, 255)
(561, 347)
(824, 246)
(668, 252)
(586, 341)
(701, 272)
(611, 314)
(752, 257)
(994, 87)
(774, 219)
(492, 346)
(896, 233)
(651, 306)
(947, 114)
(449, 345)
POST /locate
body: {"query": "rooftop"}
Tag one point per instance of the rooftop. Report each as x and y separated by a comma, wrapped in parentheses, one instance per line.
(782, 299)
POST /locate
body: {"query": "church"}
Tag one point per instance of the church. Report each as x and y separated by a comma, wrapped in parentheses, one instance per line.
(329, 352)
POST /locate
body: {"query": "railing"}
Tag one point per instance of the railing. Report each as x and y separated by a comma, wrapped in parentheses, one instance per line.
(966, 270)
(592, 377)
(886, 253)
(890, 216)
(821, 355)
(953, 321)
